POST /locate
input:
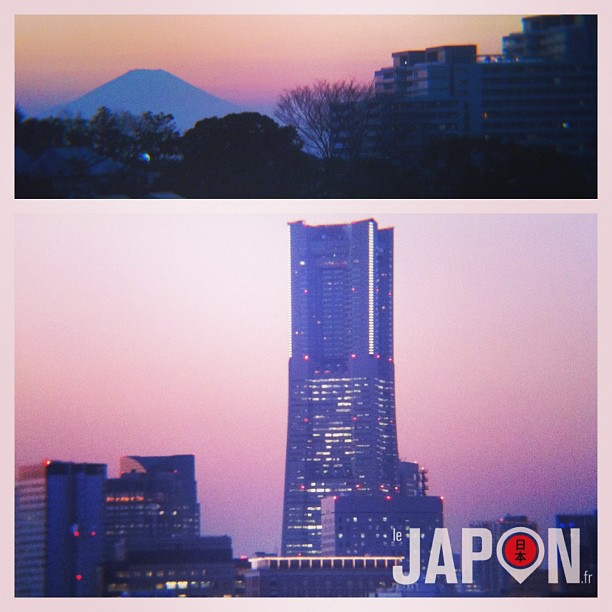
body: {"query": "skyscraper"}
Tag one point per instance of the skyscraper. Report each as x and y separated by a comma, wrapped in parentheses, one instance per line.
(58, 529)
(341, 434)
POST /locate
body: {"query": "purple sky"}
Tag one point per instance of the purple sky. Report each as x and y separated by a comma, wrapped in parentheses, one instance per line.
(168, 333)
(248, 59)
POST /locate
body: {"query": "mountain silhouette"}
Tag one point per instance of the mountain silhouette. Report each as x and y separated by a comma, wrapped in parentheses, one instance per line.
(158, 91)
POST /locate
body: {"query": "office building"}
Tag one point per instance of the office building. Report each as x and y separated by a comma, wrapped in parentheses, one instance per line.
(58, 529)
(413, 479)
(198, 567)
(319, 577)
(341, 435)
(368, 524)
(30, 531)
(153, 500)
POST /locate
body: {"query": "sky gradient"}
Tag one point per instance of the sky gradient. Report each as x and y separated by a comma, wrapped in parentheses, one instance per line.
(247, 59)
(168, 333)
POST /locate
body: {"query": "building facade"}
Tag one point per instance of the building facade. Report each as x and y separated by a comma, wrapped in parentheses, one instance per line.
(199, 567)
(30, 531)
(541, 91)
(413, 479)
(557, 38)
(153, 500)
(341, 435)
(58, 529)
(319, 577)
(360, 524)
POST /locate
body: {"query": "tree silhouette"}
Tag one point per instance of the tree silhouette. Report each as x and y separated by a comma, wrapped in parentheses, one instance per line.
(110, 137)
(156, 135)
(330, 117)
(241, 155)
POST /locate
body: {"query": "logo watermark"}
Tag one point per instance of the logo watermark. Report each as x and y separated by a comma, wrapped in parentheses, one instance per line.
(520, 551)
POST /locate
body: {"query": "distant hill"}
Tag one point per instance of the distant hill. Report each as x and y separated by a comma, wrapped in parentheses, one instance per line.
(157, 91)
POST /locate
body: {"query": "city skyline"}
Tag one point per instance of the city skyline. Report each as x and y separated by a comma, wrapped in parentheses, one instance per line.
(247, 59)
(127, 327)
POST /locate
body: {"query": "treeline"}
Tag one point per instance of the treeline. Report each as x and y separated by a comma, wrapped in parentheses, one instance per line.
(120, 136)
(249, 155)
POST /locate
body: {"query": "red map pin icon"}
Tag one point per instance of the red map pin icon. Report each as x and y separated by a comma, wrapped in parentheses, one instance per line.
(520, 551)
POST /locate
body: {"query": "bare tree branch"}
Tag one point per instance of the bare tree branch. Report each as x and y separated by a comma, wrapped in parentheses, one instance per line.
(331, 118)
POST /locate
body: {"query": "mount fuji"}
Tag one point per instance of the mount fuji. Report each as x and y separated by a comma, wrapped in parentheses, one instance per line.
(158, 91)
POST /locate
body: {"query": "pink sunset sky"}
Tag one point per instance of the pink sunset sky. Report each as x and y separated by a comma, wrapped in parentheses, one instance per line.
(247, 59)
(168, 333)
